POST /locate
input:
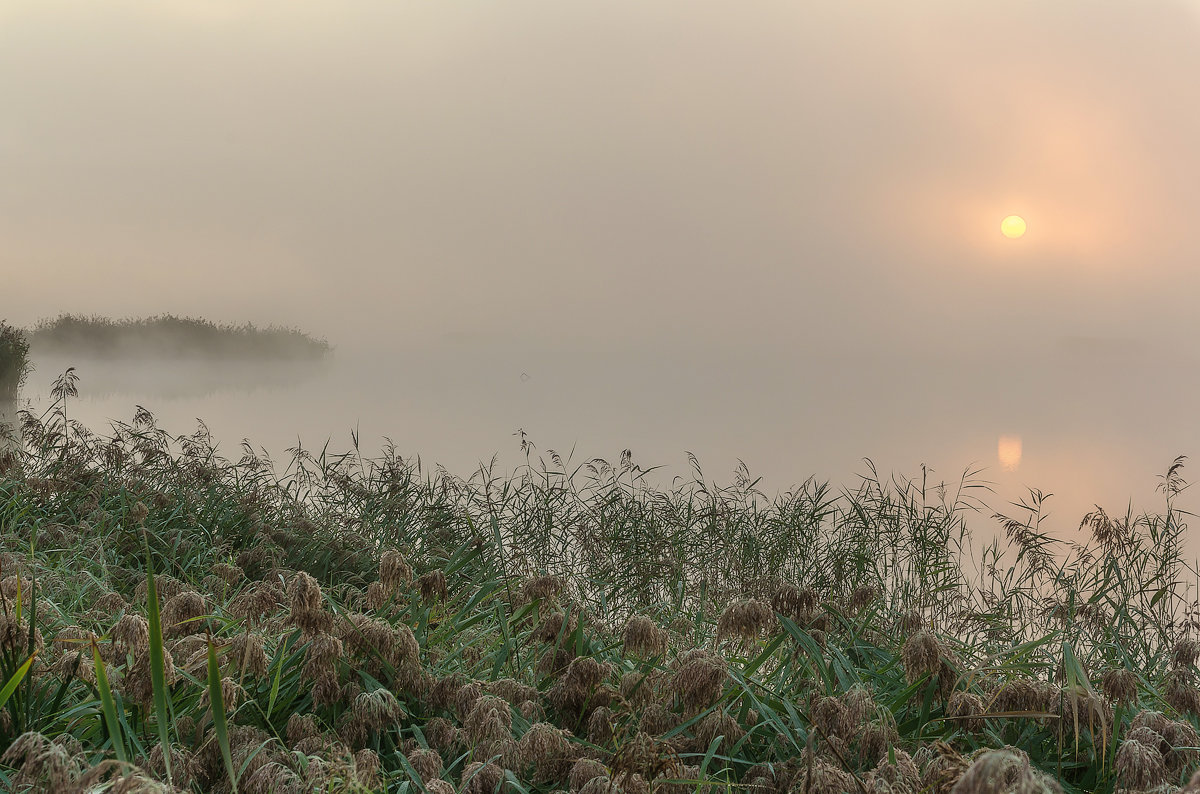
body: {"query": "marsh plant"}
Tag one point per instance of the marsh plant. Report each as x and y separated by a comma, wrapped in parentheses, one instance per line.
(176, 620)
(14, 362)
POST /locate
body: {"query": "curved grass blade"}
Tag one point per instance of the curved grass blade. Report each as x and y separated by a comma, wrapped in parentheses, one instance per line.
(109, 707)
(15, 680)
(218, 711)
(158, 677)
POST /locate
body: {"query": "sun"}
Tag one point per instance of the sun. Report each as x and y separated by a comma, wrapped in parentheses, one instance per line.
(1013, 227)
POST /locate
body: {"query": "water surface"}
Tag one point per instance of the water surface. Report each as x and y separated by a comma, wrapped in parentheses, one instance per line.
(1090, 421)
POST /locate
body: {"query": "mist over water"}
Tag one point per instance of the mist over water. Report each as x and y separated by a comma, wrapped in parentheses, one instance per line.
(1090, 422)
(769, 235)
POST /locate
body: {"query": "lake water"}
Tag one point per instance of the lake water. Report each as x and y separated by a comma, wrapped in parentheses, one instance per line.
(1089, 421)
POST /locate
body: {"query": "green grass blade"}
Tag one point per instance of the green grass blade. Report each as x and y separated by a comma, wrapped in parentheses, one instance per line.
(158, 676)
(109, 707)
(218, 711)
(15, 680)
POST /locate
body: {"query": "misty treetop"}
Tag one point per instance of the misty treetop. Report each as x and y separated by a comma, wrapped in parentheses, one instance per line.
(167, 335)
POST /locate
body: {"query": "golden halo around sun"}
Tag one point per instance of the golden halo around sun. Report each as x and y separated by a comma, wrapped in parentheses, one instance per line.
(1013, 227)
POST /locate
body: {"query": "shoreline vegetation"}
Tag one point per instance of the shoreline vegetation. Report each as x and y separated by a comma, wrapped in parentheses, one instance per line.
(175, 620)
(14, 362)
(166, 335)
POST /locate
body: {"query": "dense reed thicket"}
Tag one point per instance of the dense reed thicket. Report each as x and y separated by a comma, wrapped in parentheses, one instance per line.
(168, 336)
(173, 620)
(14, 361)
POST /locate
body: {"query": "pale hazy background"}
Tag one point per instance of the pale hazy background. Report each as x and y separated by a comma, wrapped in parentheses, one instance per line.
(766, 231)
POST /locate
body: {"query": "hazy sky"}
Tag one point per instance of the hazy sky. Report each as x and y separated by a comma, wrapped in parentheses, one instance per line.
(606, 174)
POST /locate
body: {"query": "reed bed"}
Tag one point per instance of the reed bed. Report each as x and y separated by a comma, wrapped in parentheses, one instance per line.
(14, 362)
(175, 620)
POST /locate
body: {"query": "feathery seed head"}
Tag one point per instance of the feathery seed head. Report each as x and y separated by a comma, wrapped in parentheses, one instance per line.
(547, 750)
(433, 586)
(899, 776)
(554, 626)
(829, 716)
(232, 694)
(307, 611)
(481, 778)
(1003, 771)
(585, 673)
(465, 699)
(511, 690)
(131, 635)
(717, 723)
(273, 778)
(257, 601)
(377, 709)
(368, 769)
(822, 777)
(1185, 652)
(1121, 686)
(862, 597)
(441, 734)
(181, 612)
(247, 650)
(860, 705)
(637, 688)
(1020, 694)
(1181, 739)
(657, 719)
(532, 711)
(138, 683)
(376, 597)
(644, 638)
(788, 601)
(490, 720)
(600, 726)
(541, 588)
(1180, 692)
(323, 654)
(42, 764)
(301, 726)
(922, 656)
(1139, 766)
(584, 771)
(231, 575)
(966, 706)
(441, 693)
(394, 571)
(911, 622)
(110, 604)
(1154, 720)
(876, 738)
(326, 690)
(699, 679)
(745, 620)
(426, 763)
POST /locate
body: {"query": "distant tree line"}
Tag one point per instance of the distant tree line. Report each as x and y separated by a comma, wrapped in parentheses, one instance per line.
(168, 335)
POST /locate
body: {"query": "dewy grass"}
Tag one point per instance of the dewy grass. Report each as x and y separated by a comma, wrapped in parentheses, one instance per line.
(359, 624)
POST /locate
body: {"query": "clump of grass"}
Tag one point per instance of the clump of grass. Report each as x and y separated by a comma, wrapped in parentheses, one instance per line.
(14, 361)
(169, 616)
(166, 335)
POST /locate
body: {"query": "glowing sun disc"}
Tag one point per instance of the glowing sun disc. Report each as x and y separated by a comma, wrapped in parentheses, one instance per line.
(1012, 227)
